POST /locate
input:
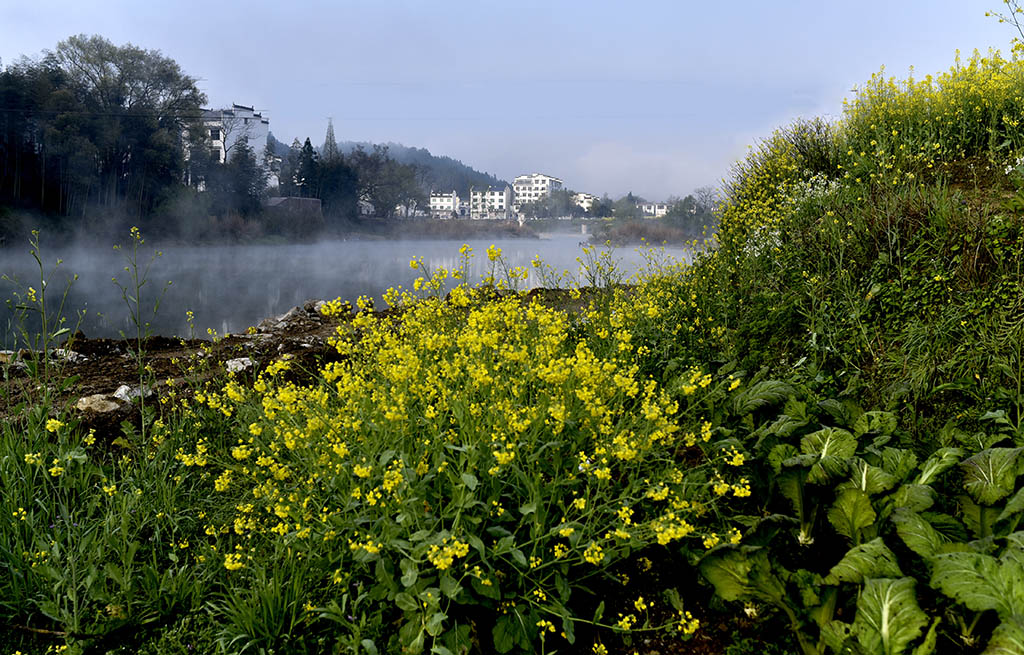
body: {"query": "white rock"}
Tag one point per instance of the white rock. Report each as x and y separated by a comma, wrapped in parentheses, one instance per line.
(239, 364)
(127, 394)
(99, 403)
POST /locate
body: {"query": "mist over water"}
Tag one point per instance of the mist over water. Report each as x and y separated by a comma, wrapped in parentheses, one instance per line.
(232, 287)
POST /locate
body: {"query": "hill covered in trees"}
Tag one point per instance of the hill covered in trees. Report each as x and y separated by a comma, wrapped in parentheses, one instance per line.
(434, 172)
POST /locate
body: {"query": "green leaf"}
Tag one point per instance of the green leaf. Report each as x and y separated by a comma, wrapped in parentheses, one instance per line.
(477, 543)
(832, 447)
(869, 479)
(947, 526)
(519, 557)
(761, 394)
(599, 612)
(1013, 506)
(470, 481)
(834, 634)
(563, 589)
(505, 633)
(791, 486)
(568, 627)
(728, 570)
(875, 421)
(940, 461)
(409, 572)
(888, 617)
(779, 454)
(927, 647)
(869, 560)
(990, 475)
(406, 602)
(917, 533)
(450, 587)
(979, 519)
(486, 590)
(410, 635)
(981, 582)
(435, 624)
(851, 513)
(915, 497)
(898, 462)
(742, 572)
(369, 646)
(1007, 638)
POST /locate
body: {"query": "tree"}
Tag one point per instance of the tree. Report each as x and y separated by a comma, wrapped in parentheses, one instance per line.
(307, 174)
(626, 207)
(601, 207)
(136, 104)
(384, 183)
(329, 151)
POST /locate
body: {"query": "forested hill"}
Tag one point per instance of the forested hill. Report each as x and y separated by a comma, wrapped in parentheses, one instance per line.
(439, 173)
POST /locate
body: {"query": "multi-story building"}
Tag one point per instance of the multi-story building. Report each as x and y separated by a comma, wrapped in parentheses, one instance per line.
(444, 204)
(653, 209)
(229, 127)
(490, 202)
(585, 200)
(532, 187)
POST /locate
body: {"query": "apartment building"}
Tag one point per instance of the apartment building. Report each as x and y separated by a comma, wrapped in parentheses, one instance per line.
(490, 203)
(237, 124)
(529, 188)
(444, 204)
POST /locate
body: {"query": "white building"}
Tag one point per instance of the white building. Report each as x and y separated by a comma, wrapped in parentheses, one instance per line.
(229, 127)
(585, 200)
(444, 204)
(653, 209)
(532, 187)
(490, 202)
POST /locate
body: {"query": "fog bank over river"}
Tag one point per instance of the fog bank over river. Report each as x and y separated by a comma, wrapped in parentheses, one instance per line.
(232, 287)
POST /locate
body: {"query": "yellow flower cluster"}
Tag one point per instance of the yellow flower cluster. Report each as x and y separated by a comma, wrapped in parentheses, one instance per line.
(442, 556)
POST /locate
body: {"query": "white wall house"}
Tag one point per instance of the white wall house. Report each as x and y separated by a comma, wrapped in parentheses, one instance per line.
(532, 187)
(654, 209)
(237, 124)
(490, 202)
(585, 200)
(444, 204)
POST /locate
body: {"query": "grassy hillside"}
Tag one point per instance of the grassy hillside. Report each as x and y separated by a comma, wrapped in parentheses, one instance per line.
(810, 437)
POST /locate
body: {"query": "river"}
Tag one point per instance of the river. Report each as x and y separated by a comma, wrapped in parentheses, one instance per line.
(230, 287)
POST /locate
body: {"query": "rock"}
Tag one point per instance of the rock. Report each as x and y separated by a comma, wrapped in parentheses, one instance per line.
(239, 364)
(99, 403)
(127, 393)
(70, 356)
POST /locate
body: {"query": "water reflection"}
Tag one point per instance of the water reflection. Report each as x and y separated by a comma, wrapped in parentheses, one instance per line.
(232, 287)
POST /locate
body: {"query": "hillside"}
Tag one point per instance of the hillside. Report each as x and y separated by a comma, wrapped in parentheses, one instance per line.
(438, 171)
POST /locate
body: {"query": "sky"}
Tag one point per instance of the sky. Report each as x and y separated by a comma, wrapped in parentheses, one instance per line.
(656, 97)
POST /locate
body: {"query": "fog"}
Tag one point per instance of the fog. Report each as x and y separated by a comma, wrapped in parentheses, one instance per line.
(232, 287)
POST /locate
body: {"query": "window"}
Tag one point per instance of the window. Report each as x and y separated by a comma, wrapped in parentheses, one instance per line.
(215, 154)
(214, 134)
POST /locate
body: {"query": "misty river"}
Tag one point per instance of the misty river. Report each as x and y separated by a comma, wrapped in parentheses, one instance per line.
(230, 287)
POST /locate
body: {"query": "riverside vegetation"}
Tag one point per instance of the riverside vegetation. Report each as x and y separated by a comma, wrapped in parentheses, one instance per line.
(812, 434)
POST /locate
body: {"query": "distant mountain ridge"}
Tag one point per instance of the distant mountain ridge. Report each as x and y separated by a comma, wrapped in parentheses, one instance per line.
(438, 172)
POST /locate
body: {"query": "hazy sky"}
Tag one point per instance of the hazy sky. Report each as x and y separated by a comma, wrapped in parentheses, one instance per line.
(654, 97)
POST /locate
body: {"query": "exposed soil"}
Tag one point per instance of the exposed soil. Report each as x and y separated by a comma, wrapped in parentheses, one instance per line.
(89, 367)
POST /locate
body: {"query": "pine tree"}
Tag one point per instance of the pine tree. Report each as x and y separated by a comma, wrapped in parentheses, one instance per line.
(308, 174)
(329, 153)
